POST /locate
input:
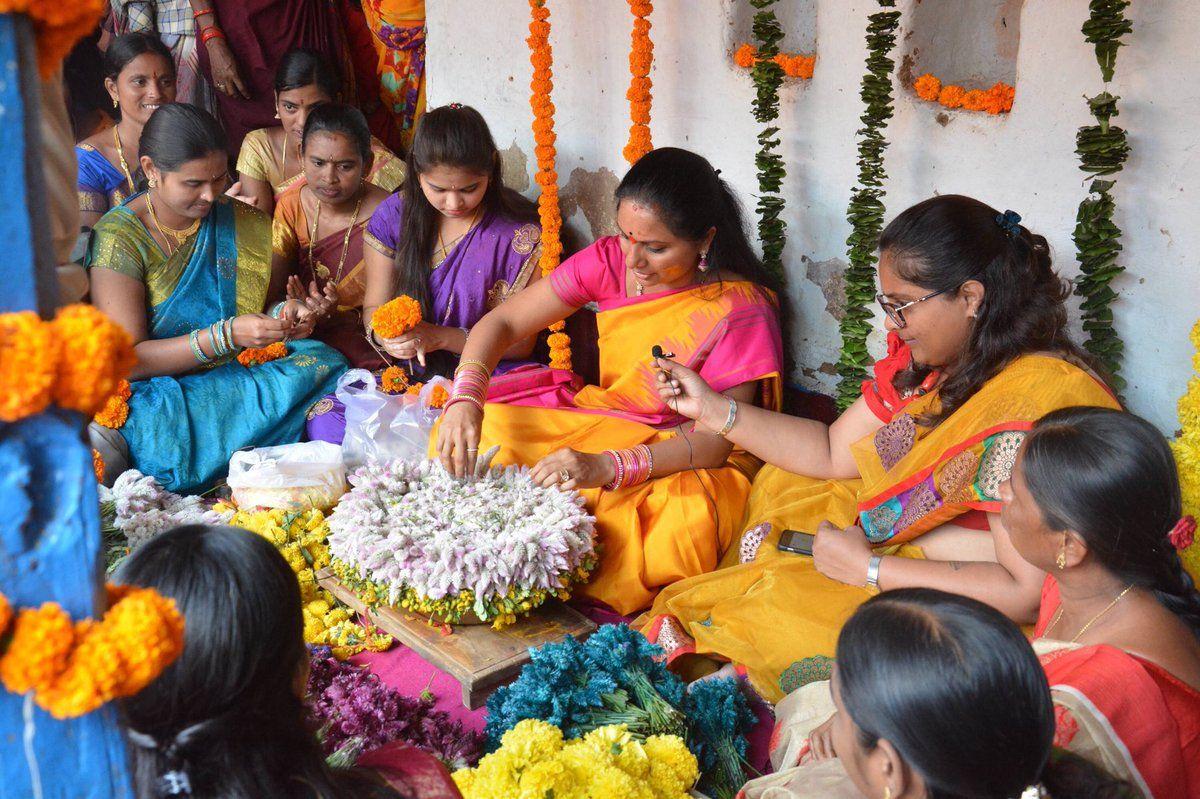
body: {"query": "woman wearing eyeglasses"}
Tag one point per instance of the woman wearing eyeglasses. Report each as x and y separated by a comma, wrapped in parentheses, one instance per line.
(903, 490)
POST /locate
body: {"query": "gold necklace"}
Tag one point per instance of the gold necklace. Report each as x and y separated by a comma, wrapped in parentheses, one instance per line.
(168, 233)
(283, 169)
(312, 238)
(121, 156)
(1095, 618)
(445, 248)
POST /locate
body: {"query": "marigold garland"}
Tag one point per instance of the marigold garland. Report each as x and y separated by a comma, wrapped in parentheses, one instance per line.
(794, 65)
(394, 380)
(115, 412)
(98, 465)
(57, 26)
(541, 84)
(28, 360)
(396, 317)
(1187, 452)
(74, 668)
(257, 356)
(865, 211)
(641, 56)
(996, 100)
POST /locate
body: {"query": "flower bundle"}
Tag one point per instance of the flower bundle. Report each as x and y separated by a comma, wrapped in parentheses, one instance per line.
(302, 540)
(256, 356)
(794, 65)
(57, 26)
(534, 761)
(1102, 149)
(865, 210)
(396, 317)
(996, 100)
(355, 710)
(115, 411)
(617, 677)
(641, 56)
(76, 361)
(1187, 453)
(394, 380)
(74, 668)
(541, 58)
(137, 508)
(411, 535)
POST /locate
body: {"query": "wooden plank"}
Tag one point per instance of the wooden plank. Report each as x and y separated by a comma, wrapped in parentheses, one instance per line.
(479, 658)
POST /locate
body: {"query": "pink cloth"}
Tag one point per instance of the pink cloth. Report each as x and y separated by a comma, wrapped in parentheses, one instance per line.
(410, 674)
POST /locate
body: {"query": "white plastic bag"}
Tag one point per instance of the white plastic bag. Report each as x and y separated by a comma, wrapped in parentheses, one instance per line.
(295, 477)
(382, 427)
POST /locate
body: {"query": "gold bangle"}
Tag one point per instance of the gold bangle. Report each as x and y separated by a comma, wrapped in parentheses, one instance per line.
(463, 364)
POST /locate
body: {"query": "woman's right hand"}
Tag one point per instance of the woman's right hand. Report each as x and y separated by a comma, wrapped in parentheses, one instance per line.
(682, 390)
(820, 740)
(225, 73)
(259, 330)
(458, 438)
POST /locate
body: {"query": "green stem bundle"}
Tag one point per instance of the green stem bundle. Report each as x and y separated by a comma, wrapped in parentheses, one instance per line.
(768, 76)
(865, 210)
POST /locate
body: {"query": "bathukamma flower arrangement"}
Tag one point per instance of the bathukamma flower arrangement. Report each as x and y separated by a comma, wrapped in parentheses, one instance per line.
(411, 535)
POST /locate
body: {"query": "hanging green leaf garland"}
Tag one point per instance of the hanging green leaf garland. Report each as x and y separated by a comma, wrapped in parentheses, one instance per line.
(1102, 150)
(767, 76)
(865, 211)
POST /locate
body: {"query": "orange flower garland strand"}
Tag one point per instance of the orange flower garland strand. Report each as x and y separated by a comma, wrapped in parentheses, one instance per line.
(541, 57)
(98, 465)
(57, 26)
(74, 668)
(115, 412)
(794, 65)
(641, 56)
(394, 380)
(256, 356)
(996, 100)
(28, 362)
(396, 317)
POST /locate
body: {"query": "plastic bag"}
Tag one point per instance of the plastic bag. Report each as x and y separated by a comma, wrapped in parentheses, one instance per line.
(294, 477)
(382, 427)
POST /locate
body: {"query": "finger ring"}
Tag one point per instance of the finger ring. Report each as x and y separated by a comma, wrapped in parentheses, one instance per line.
(472, 449)
(564, 476)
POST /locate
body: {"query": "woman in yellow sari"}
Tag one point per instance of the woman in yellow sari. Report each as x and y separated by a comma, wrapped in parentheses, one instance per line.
(978, 351)
(680, 275)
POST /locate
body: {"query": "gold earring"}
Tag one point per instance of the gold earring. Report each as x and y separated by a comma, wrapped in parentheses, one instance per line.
(887, 792)
(115, 103)
(1061, 560)
(154, 185)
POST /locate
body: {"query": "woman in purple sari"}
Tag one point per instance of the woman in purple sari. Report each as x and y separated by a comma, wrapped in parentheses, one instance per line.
(454, 239)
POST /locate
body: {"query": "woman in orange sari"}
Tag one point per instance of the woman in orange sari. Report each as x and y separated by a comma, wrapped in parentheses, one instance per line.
(978, 351)
(681, 275)
(318, 229)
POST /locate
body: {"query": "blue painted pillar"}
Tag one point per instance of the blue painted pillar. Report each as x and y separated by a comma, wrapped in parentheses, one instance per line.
(49, 512)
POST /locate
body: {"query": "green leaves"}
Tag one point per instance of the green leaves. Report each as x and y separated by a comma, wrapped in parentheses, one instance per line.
(767, 77)
(865, 211)
(1104, 28)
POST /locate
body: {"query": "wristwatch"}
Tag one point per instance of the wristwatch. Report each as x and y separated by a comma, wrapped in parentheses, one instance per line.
(873, 571)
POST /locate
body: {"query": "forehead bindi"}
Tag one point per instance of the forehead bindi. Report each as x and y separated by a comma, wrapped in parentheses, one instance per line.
(640, 224)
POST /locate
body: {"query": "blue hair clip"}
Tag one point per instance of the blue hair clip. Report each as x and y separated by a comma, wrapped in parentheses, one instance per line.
(1009, 222)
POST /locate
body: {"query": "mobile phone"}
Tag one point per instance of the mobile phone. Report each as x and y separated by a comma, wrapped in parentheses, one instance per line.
(796, 542)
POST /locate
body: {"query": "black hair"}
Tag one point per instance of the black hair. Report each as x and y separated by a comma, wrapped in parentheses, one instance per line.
(1110, 477)
(129, 46)
(945, 241)
(178, 133)
(303, 67)
(453, 136)
(226, 712)
(984, 727)
(342, 119)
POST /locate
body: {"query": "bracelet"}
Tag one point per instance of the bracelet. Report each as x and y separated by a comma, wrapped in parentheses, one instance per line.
(471, 400)
(470, 384)
(873, 571)
(194, 340)
(277, 309)
(198, 14)
(463, 364)
(212, 338)
(730, 419)
(233, 347)
(633, 466)
(618, 471)
(210, 33)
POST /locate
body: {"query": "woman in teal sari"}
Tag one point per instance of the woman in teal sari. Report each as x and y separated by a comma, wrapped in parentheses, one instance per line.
(187, 271)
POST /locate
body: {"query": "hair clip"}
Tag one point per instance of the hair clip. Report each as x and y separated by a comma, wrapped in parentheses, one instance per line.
(1009, 222)
(1183, 533)
(455, 106)
(174, 783)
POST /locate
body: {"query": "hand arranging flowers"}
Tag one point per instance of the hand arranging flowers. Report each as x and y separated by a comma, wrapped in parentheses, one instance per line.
(356, 712)
(410, 535)
(617, 677)
(396, 317)
(534, 761)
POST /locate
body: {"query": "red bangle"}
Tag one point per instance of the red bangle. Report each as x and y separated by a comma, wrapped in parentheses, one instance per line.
(198, 14)
(210, 33)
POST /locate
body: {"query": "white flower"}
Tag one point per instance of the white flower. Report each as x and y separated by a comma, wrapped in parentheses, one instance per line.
(144, 509)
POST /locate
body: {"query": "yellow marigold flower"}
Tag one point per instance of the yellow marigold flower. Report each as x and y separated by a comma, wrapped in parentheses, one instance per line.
(927, 87)
(396, 317)
(610, 781)
(673, 769)
(543, 778)
(41, 642)
(532, 739)
(95, 355)
(28, 361)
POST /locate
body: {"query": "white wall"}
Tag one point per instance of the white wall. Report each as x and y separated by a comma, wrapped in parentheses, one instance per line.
(1024, 161)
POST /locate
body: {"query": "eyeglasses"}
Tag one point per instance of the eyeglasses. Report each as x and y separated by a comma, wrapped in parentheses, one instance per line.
(896, 312)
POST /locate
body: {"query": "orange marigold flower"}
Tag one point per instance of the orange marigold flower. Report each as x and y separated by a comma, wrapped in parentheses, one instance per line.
(927, 87)
(1000, 98)
(57, 26)
(394, 380)
(439, 397)
(974, 100)
(96, 354)
(256, 356)
(37, 653)
(150, 630)
(951, 96)
(98, 465)
(745, 56)
(115, 412)
(6, 613)
(796, 66)
(558, 341)
(396, 317)
(92, 675)
(414, 389)
(28, 361)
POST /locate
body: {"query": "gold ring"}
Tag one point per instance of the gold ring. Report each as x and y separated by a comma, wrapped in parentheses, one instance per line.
(564, 475)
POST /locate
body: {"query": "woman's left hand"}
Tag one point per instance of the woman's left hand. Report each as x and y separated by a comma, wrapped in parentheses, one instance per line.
(581, 469)
(300, 317)
(320, 301)
(842, 555)
(416, 343)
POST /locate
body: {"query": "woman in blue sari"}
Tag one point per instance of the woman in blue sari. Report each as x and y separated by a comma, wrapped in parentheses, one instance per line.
(140, 77)
(187, 271)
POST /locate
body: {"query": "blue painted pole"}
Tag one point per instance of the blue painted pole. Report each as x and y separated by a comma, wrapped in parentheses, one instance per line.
(49, 510)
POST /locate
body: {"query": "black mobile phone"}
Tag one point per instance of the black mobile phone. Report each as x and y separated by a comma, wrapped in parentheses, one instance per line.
(796, 542)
